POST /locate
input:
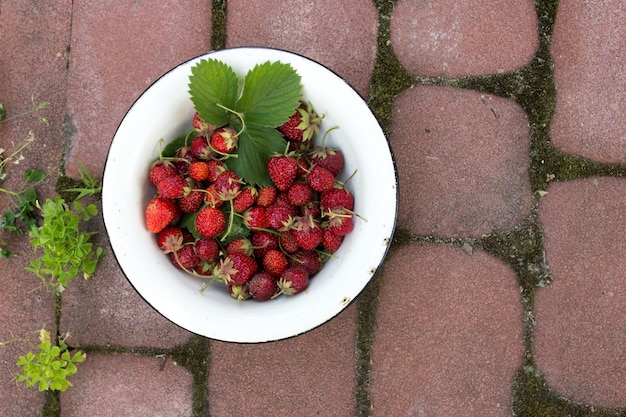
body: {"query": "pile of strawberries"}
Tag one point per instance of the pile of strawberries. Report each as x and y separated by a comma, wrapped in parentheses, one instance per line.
(259, 241)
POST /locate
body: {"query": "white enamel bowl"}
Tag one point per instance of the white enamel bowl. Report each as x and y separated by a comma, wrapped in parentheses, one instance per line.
(164, 110)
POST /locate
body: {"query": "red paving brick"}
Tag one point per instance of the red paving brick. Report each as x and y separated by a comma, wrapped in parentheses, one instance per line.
(126, 385)
(462, 160)
(449, 334)
(309, 375)
(454, 39)
(589, 52)
(581, 317)
(338, 34)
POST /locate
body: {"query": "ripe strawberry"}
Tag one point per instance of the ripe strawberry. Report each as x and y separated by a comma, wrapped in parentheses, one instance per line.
(279, 217)
(245, 199)
(199, 170)
(216, 167)
(308, 232)
(275, 262)
(174, 186)
(302, 124)
(300, 193)
(200, 148)
(262, 286)
(329, 158)
(184, 157)
(255, 218)
(239, 292)
(207, 249)
(288, 241)
(294, 280)
(161, 170)
(266, 197)
(236, 268)
(224, 140)
(340, 221)
(228, 185)
(191, 202)
(211, 196)
(282, 170)
(160, 212)
(210, 222)
(203, 128)
(170, 239)
(312, 209)
(263, 241)
(185, 258)
(337, 197)
(240, 245)
(308, 260)
(320, 179)
(331, 241)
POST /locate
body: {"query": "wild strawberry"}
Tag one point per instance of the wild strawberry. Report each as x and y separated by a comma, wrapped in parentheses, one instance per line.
(212, 197)
(245, 199)
(287, 241)
(308, 232)
(210, 222)
(184, 258)
(255, 218)
(239, 292)
(312, 209)
(199, 170)
(337, 197)
(240, 245)
(174, 186)
(224, 140)
(320, 179)
(340, 221)
(279, 217)
(308, 260)
(282, 199)
(160, 212)
(207, 249)
(228, 185)
(263, 241)
(302, 124)
(331, 241)
(200, 148)
(191, 202)
(184, 157)
(203, 128)
(300, 193)
(300, 146)
(236, 268)
(204, 268)
(267, 195)
(160, 171)
(216, 167)
(329, 158)
(262, 286)
(282, 170)
(275, 262)
(294, 280)
(170, 239)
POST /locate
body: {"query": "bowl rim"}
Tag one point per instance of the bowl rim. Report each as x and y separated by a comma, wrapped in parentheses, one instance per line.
(392, 228)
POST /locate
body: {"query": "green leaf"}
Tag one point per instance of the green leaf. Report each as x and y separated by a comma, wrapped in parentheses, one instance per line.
(213, 83)
(256, 145)
(237, 228)
(271, 93)
(183, 140)
(34, 175)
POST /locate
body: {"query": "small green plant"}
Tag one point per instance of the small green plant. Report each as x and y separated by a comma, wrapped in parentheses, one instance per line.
(88, 185)
(66, 249)
(50, 365)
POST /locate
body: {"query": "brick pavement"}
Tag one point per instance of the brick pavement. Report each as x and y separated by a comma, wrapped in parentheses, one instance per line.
(503, 291)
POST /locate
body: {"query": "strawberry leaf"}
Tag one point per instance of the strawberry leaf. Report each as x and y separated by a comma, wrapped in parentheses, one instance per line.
(256, 145)
(271, 93)
(213, 85)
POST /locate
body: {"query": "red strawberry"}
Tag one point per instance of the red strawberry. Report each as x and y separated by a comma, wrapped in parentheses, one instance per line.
(200, 148)
(308, 260)
(184, 157)
(199, 170)
(299, 193)
(340, 221)
(320, 179)
(228, 185)
(331, 241)
(282, 170)
(207, 249)
(203, 128)
(263, 241)
(240, 245)
(236, 268)
(239, 292)
(160, 212)
(302, 124)
(191, 202)
(288, 241)
(262, 286)
(294, 280)
(210, 222)
(337, 197)
(224, 140)
(308, 232)
(216, 167)
(312, 209)
(245, 199)
(174, 186)
(211, 197)
(255, 218)
(279, 217)
(160, 171)
(170, 239)
(329, 158)
(275, 262)
(267, 195)
(185, 258)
